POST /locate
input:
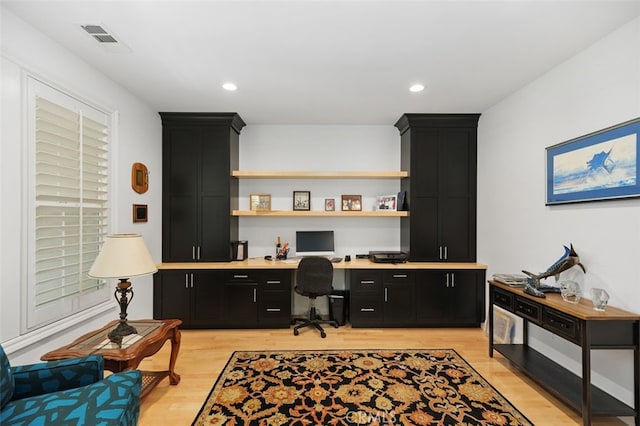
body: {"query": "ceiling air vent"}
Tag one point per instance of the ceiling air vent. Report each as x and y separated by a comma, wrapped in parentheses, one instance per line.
(105, 38)
(99, 33)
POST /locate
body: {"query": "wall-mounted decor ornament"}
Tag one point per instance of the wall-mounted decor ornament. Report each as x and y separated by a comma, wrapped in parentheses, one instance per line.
(139, 178)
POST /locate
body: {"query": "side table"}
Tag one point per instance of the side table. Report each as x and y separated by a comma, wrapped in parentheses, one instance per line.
(151, 336)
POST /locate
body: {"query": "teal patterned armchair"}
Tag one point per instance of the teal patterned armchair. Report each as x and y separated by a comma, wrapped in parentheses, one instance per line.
(67, 392)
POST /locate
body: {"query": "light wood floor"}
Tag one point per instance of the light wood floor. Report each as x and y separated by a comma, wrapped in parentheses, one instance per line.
(204, 353)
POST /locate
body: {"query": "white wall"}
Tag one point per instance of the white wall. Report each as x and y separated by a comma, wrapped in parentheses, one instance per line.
(320, 148)
(598, 88)
(138, 140)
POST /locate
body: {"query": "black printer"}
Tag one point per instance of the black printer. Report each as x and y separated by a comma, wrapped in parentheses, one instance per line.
(388, 256)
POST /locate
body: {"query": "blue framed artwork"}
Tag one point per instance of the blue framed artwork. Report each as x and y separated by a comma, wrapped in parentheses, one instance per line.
(599, 166)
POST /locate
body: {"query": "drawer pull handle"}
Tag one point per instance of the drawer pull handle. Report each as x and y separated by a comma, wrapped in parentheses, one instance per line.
(273, 309)
(240, 276)
(399, 275)
(367, 282)
(273, 282)
(367, 310)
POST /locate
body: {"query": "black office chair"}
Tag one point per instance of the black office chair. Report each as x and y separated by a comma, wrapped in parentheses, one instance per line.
(314, 278)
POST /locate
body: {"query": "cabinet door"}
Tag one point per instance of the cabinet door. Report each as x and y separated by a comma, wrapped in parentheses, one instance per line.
(180, 198)
(450, 298)
(171, 296)
(398, 308)
(466, 298)
(240, 304)
(432, 298)
(207, 298)
(424, 237)
(457, 233)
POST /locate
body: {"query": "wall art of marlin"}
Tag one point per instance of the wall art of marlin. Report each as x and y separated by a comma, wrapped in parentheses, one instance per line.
(568, 260)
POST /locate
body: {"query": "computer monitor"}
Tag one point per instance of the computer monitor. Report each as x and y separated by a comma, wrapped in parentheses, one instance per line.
(314, 243)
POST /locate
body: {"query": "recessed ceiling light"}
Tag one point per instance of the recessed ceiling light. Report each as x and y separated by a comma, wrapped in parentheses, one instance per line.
(416, 88)
(229, 86)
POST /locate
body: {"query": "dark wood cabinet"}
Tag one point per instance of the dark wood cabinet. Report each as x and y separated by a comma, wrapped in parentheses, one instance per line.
(439, 151)
(215, 298)
(450, 298)
(194, 296)
(381, 298)
(198, 194)
(416, 298)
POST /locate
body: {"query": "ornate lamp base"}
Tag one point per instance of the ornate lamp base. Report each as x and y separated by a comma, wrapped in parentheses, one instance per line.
(123, 329)
(123, 289)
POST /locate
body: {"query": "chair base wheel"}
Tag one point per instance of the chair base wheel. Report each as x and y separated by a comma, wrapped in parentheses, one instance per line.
(296, 332)
(323, 334)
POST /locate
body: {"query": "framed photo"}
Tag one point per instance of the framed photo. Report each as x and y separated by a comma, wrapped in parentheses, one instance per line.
(352, 202)
(329, 204)
(140, 212)
(301, 200)
(260, 202)
(599, 166)
(386, 202)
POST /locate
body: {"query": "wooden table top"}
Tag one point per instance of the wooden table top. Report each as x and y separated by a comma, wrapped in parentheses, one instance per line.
(583, 310)
(96, 342)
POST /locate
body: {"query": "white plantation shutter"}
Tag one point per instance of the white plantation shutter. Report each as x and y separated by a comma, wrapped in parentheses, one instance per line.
(70, 211)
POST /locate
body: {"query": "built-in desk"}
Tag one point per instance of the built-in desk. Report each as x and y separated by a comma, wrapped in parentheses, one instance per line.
(261, 263)
(580, 324)
(256, 293)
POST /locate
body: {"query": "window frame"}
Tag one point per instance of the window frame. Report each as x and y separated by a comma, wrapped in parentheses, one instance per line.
(33, 318)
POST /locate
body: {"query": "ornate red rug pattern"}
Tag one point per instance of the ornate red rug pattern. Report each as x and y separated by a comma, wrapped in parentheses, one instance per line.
(354, 387)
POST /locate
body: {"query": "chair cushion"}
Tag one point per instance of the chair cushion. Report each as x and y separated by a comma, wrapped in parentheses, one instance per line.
(6, 379)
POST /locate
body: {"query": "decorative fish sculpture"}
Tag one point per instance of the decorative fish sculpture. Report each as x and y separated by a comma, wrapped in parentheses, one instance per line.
(568, 260)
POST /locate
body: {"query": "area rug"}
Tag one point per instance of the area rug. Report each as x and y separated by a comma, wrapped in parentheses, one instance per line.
(352, 387)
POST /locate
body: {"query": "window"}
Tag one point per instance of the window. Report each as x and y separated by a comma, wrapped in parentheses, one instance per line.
(68, 203)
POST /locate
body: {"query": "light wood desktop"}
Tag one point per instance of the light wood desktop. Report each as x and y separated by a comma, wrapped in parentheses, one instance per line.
(261, 263)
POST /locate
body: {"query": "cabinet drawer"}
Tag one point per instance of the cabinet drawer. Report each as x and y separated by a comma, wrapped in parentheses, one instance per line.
(527, 309)
(561, 324)
(399, 277)
(242, 275)
(275, 280)
(365, 281)
(274, 310)
(502, 299)
(365, 312)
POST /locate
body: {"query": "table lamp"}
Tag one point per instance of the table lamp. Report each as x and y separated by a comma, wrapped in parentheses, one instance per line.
(123, 256)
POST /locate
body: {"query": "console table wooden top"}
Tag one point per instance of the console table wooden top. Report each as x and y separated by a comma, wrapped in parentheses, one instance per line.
(261, 263)
(583, 310)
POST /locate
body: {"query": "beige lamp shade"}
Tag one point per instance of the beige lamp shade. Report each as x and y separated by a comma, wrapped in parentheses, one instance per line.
(123, 256)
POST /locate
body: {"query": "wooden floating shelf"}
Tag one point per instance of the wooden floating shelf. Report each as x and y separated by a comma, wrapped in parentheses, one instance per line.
(318, 213)
(272, 174)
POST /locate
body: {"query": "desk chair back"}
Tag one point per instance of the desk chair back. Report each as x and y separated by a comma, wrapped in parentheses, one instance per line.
(314, 276)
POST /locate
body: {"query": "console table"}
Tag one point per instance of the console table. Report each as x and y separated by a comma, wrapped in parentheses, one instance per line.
(580, 324)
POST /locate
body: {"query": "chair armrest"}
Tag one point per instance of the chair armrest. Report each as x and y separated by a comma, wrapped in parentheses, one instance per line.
(53, 376)
(112, 401)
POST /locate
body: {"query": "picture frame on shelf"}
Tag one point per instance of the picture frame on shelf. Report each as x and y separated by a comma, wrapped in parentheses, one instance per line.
(301, 200)
(386, 203)
(260, 202)
(329, 204)
(602, 165)
(351, 202)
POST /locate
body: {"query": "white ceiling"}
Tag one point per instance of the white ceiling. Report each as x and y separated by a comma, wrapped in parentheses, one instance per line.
(342, 62)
